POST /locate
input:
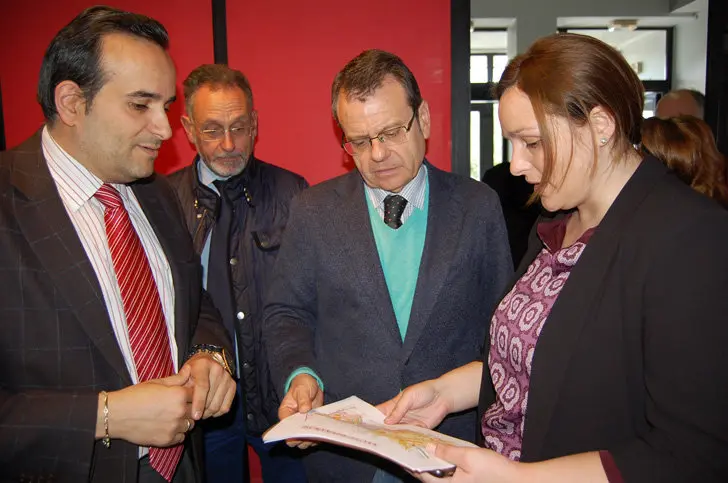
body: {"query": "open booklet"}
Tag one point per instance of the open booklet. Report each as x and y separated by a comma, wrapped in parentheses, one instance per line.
(356, 424)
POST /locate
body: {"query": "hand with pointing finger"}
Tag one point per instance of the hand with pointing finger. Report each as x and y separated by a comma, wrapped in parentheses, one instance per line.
(303, 395)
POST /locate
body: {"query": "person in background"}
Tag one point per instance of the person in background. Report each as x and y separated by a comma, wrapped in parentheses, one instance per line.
(386, 275)
(110, 349)
(236, 207)
(605, 359)
(681, 102)
(519, 210)
(687, 145)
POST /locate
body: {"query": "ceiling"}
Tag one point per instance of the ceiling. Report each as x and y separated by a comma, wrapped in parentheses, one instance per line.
(490, 41)
(667, 21)
(620, 39)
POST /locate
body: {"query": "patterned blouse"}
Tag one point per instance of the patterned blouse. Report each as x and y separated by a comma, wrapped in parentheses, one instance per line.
(514, 332)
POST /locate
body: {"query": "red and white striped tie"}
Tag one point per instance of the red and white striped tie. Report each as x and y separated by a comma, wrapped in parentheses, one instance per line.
(144, 316)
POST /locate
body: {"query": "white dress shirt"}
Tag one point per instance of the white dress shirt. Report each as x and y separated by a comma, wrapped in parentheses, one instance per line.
(413, 192)
(76, 187)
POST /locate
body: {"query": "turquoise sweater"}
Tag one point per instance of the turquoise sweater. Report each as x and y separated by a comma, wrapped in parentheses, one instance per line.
(400, 252)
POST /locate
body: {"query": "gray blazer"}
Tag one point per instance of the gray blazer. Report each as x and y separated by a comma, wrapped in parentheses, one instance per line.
(328, 307)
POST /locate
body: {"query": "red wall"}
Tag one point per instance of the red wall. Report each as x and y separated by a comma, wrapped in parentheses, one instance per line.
(28, 28)
(291, 51)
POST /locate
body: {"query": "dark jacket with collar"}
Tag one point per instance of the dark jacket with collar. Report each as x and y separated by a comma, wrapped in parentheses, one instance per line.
(632, 356)
(57, 346)
(261, 195)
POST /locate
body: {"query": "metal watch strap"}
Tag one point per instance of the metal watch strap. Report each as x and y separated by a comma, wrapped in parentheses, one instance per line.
(213, 350)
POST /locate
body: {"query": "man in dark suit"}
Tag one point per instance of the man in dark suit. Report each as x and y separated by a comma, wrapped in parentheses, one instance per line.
(387, 275)
(101, 298)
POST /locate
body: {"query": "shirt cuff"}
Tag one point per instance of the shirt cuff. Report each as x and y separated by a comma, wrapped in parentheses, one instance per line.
(303, 370)
(610, 467)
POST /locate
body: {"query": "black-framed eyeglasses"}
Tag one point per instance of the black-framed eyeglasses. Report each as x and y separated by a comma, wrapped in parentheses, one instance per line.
(389, 137)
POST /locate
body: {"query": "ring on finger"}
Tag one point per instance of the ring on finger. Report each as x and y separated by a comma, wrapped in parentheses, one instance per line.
(189, 425)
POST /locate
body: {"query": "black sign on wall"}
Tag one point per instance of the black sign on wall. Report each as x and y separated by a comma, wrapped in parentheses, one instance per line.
(460, 85)
(2, 121)
(716, 82)
(219, 31)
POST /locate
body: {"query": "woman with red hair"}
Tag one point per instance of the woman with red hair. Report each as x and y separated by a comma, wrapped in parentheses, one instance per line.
(605, 360)
(686, 144)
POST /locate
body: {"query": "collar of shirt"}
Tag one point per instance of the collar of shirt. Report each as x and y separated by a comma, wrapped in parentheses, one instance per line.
(413, 192)
(76, 184)
(208, 176)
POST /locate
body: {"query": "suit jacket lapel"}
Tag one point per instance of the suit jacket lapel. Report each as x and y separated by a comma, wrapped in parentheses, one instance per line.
(354, 231)
(52, 237)
(441, 240)
(570, 312)
(168, 233)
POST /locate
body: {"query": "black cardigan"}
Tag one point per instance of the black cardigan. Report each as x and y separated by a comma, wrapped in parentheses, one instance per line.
(632, 356)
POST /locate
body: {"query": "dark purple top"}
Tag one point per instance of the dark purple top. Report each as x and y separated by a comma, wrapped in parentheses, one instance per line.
(514, 332)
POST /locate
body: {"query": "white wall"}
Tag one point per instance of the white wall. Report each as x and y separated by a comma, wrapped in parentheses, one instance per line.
(690, 48)
(568, 8)
(527, 29)
(537, 18)
(650, 54)
(646, 47)
(675, 4)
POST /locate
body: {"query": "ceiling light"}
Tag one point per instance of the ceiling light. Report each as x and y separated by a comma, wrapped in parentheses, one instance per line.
(622, 24)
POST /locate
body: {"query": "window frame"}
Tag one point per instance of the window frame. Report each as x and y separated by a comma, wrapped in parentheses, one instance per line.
(659, 86)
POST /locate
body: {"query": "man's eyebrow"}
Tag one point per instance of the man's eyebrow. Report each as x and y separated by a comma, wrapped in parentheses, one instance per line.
(150, 95)
(218, 122)
(146, 95)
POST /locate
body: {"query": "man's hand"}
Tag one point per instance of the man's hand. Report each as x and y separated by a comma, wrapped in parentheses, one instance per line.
(213, 390)
(152, 413)
(420, 404)
(303, 395)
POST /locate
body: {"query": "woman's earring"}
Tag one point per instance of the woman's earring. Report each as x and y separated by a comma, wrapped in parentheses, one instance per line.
(603, 141)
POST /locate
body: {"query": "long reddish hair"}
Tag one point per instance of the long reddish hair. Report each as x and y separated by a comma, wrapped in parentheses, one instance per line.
(568, 75)
(686, 144)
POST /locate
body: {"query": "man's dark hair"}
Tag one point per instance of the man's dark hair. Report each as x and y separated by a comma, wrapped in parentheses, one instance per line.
(74, 54)
(216, 76)
(366, 72)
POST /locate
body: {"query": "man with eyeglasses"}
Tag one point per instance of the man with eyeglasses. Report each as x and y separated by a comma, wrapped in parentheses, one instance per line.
(236, 208)
(387, 276)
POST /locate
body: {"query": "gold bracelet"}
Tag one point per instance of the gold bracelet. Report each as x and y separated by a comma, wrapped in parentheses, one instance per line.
(106, 439)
